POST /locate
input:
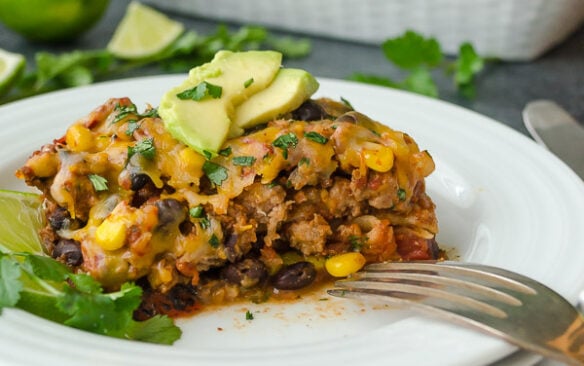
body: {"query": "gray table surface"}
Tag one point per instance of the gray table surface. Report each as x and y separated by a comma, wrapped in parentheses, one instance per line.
(503, 89)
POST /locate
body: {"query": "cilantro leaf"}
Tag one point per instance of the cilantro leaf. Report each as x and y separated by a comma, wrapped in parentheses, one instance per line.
(243, 160)
(412, 50)
(420, 81)
(215, 172)
(201, 91)
(145, 148)
(99, 183)
(10, 286)
(45, 268)
(468, 64)
(158, 329)
(316, 137)
(286, 141)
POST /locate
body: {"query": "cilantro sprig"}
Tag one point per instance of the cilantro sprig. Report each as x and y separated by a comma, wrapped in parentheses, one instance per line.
(47, 288)
(82, 67)
(418, 57)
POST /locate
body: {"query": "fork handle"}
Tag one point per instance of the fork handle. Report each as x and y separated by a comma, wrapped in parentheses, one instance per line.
(571, 342)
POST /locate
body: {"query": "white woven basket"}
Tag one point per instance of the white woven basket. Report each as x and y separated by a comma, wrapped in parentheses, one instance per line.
(508, 29)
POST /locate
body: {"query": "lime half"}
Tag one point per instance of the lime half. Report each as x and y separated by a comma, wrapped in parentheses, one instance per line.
(21, 219)
(143, 32)
(11, 67)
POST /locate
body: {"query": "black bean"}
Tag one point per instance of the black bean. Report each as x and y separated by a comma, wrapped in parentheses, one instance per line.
(232, 251)
(309, 111)
(170, 211)
(139, 180)
(182, 296)
(69, 251)
(247, 273)
(295, 276)
(59, 218)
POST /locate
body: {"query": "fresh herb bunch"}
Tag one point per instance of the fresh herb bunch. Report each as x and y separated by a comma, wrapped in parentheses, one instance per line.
(45, 287)
(418, 56)
(191, 49)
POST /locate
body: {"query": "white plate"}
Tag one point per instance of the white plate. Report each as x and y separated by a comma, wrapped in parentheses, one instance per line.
(501, 200)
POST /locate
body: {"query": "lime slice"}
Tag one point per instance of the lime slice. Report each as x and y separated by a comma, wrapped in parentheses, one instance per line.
(11, 67)
(143, 32)
(20, 221)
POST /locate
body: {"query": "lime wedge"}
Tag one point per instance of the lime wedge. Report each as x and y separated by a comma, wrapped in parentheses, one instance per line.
(20, 221)
(11, 67)
(143, 32)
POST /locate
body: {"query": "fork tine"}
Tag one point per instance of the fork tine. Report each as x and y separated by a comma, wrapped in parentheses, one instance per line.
(436, 279)
(490, 275)
(421, 294)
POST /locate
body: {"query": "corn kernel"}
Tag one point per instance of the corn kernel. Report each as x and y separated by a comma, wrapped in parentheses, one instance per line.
(79, 138)
(111, 234)
(380, 160)
(342, 265)
(193, 160)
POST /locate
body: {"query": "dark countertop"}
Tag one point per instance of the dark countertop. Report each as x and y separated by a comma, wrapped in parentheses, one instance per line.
(503, 88)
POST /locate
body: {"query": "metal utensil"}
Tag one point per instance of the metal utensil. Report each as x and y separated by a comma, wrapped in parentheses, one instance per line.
(499, 302)
(550, 125)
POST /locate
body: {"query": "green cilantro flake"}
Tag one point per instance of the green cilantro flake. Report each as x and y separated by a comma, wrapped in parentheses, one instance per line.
(304, 161)
(215, 172)
(133, 125)
(401, 194)
(316, 137)
(244, 160)
(99, 183)
(208, 154)
(248, 315)
(286, 141)
(197, 212)
(214, 241)
(205, 223)
(247, 83)
(145, 148)
(347, 103)
(225, 152)
(201, 91)
(357, 242)
(123, 111)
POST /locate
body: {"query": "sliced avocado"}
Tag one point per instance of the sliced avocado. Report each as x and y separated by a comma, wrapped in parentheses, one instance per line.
(288, 91)
(203, 122)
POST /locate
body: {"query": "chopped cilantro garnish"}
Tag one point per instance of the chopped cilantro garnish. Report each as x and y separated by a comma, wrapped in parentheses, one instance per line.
(401, 194)
(201, 91)
(214, 241)
(208, 154)
(145, 148)
(248, 315)
(347, 103)
(197, 212)
(215, 172)
(99, 182)
(123, 111)
(304, 161)
(225, 152)
(357, 242)
(247, 83)
(316, 137)
(132, 127)
(205, 223)
(244, 160)
(286, 141)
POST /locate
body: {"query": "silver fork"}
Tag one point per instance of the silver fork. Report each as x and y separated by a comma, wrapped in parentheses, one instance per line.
(499, 302)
